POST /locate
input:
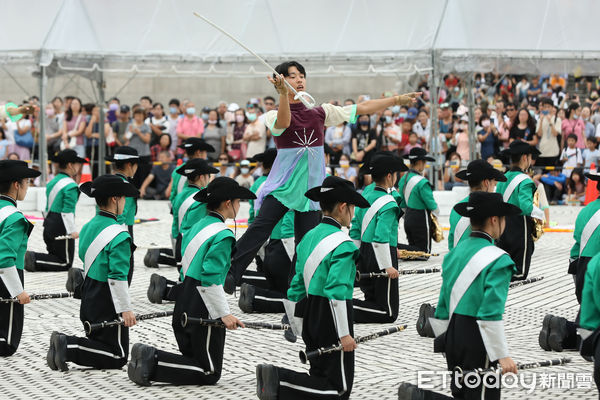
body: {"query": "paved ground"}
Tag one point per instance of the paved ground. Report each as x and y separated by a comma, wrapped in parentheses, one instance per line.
(381, 364)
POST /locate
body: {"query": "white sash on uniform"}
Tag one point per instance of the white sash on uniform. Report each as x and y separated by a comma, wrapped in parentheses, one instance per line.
(6, 212)
(325, 246)
(185, 206)
(373, 210)
(410, 185)
(60, 185)
(99, 243)
(197, 241)
(588, 230)
(181, 183)
(461, 227)
(513, 185)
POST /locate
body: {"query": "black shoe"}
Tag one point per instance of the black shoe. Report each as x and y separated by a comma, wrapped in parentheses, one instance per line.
(229, 285)
(545, 332)
(75, 279)
(157, 288)
(267, 382)
(246, 298)
(59, 345)
(408, 391)
(558, 333)
(423, 326)
(141, 365)
(52, 352)
(151, 258)
(288, 334)
(29, 261)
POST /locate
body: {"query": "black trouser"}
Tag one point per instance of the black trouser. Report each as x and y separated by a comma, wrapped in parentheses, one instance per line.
(270, 213)
(11, 321)
(60, 252)
(144, 168)
(417, 225)
(276, 268)
(201, 358)
(553, 193)
(518, 243)
(331, 375)
(381, 294)
(465, 349)
(105, 348)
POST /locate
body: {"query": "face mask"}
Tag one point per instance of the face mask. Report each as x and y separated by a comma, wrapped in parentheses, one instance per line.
(212, 121)
(388, 119)
(364, 123)
(244, 170)
(485, 123)
(344, 163)
(204, 116)
(396, 109)
(532, 113)
(402, 115)
(545, 112)
(173, 110)
(239, 118)
(113, 107)
(50, 112)
(251, 117)
(190, 110)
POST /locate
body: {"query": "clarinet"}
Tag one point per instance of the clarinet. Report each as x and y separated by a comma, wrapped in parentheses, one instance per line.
(217, 323)
(45, 296)
(525, 282)
(306, 356)
(90, 327)
(367, 275)
(531, 365)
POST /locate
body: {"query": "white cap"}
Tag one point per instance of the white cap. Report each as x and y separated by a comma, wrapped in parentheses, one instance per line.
(233, 107)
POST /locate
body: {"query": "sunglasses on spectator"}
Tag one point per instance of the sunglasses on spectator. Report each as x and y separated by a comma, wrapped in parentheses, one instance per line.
(223, 159)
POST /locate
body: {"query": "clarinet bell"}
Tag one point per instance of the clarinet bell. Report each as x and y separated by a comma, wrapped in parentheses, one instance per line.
(303, 357)
(184, 320)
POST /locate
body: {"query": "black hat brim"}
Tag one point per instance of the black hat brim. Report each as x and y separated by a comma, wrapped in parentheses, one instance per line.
(340, 194)
(133, 160)
(17, 173)
(204, 171)
(125, 189)
(494, 174)
(426, 158)
(497, 210)
(224, 194)
(201, 146)
(593, 177)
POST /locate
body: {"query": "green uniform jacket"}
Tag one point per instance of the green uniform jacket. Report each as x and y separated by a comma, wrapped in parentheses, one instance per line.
(593, 245)
(194, 213)
(421, 197)
(177, 184)
(14, 234)
(590, 297)
(522, 196)
(65, 199)
(212, 261)
(284, 228)
(383, 228)
(454, 218)
(355, 226)
(334, 277)
(254, 189)
(128, 216)
(112, 263)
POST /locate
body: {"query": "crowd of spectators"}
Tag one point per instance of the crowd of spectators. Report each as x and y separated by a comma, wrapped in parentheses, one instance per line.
(557, 114)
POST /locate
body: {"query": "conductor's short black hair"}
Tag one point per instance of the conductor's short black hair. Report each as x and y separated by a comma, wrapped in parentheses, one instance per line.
(283, 68)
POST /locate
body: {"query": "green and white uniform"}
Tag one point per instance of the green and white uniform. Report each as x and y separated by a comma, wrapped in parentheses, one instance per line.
(460, 227)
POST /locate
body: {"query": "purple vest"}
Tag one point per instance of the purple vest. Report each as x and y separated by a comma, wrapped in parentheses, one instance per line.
(306, 128)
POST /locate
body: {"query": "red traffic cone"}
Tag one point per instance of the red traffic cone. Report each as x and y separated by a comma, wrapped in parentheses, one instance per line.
(86, 174)
(591, 190)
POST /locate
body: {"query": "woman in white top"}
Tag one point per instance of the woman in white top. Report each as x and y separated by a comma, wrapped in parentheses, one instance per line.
(255, 134)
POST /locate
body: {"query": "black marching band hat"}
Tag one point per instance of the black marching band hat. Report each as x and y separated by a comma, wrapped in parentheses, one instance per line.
(108, 186)
(520, 147)
(478, 170)
(267, 158)
(386, 162)
(339, 190)
(196, 166)
(15, 170)
(417, 153)
(483, 205)
(124, 153)
(67, 156)
(223, 188)
(193, 144)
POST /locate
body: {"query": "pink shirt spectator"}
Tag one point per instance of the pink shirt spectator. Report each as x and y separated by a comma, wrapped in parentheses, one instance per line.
(462, 145)
(191, 127)
(576, 126)
(409, 147)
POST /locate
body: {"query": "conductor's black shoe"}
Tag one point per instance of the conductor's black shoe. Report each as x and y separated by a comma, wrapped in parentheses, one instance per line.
(558, 333)
(75, 279)
(246, 298)
(267, 382)
(229, 285)
(288, 334)
(545, 332)
(151, 258)
(29, 261)
(408, 391)
(423, 325)
(142, 363)
(52, 352)
(157, 288)
(59, 345)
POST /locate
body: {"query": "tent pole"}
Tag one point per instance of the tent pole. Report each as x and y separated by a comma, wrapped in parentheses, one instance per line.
(43, 148)
(471, 104)
(102, 139)
(434, 124)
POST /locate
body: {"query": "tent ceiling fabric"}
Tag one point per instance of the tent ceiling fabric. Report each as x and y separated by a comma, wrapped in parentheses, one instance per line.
(334, 36)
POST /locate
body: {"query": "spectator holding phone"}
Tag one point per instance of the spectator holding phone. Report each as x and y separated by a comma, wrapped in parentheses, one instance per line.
(158, 123)
(548, 129)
